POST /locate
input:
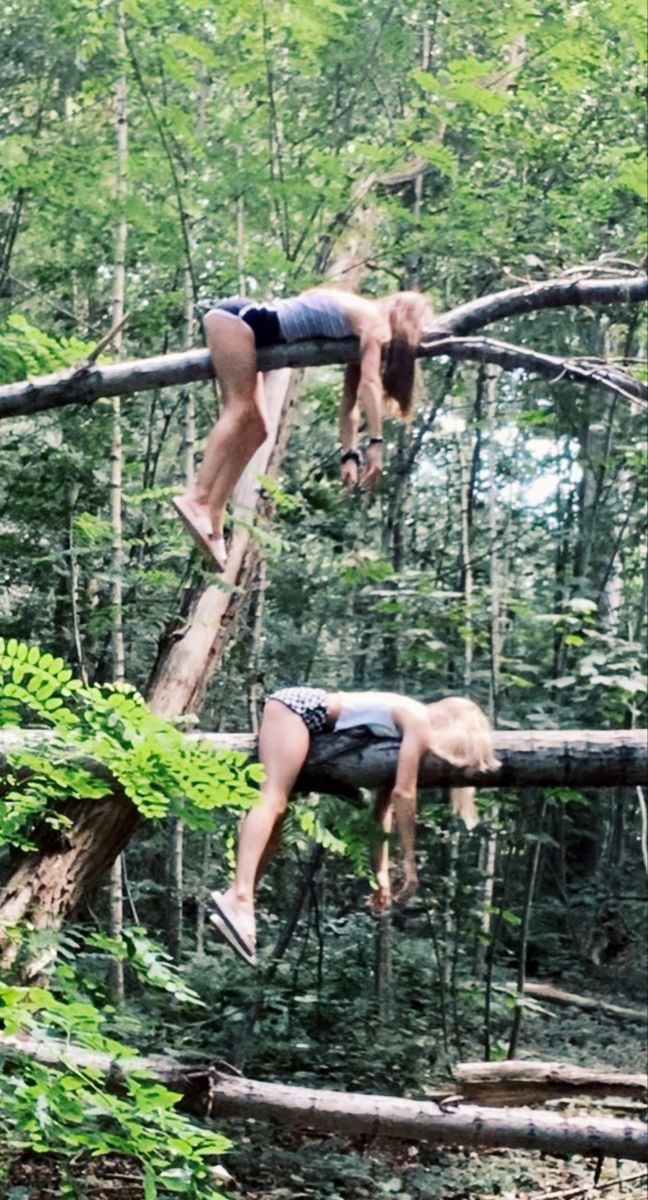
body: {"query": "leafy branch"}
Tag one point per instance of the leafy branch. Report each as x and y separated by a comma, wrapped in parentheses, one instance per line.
(103, 737)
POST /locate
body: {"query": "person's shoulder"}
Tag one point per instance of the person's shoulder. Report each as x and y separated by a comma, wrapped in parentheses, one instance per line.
(407, 709)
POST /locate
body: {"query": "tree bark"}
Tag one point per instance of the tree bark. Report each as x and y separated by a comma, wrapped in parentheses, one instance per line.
(447, 337)
(47, 885)
(212, 1094)
(560, 758)
(531, 875)
(116, 970)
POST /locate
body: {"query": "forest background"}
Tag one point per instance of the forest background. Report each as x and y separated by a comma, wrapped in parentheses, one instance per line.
(157, 154)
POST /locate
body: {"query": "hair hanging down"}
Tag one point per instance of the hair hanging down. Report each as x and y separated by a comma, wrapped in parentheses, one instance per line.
(463, 736)
(408, 312)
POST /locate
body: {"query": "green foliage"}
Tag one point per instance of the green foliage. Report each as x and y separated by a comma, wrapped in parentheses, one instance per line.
(26, 350)
(122, 743)
(149, 961)
(70, 1108)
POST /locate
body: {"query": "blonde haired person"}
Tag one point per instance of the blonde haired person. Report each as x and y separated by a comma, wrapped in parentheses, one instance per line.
(453, 729)
(389, 330)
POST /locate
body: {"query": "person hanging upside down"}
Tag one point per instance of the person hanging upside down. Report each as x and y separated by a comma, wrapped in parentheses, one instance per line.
(453, 729)
(236, 328)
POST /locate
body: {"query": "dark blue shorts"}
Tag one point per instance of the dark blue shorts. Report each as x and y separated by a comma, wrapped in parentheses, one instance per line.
(261, 318)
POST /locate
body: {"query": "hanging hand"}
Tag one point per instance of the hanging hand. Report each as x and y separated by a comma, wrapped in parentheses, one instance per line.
(374, 465)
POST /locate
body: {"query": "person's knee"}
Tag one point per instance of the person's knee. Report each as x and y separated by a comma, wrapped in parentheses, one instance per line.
(275, 799)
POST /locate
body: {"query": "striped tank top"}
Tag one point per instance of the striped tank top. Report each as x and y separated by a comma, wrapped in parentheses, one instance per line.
(315, 314)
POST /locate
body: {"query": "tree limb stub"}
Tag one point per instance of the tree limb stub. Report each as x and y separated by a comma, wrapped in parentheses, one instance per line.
(89, 382)
(560, 758)
(213, 1094)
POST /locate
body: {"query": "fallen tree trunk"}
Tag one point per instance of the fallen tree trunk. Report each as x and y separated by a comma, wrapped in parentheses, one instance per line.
(545, 991)
(521, 1081)
(88, 382)
(210, 1093)
(566, 758)
(47, 885)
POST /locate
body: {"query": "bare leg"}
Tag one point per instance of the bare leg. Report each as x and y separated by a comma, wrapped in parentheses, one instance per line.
(271, 849)
(283, 745)
(241, 428)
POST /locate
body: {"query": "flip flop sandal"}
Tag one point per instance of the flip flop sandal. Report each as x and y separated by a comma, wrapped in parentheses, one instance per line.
(242, 944)
(212, 547)
(218, 551)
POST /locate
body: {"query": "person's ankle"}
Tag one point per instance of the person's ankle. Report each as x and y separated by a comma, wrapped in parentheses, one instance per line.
(196, 496)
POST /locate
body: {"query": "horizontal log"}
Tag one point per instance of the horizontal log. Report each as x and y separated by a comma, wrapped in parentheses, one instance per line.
(209, 1092)
(568, 758)
(347, 761)
(446, 337)
(553, 995)
(529, 1081)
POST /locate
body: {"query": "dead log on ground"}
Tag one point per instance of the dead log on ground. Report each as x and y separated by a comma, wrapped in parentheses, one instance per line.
(213, 1094)
(545, 991)
(522, 1081)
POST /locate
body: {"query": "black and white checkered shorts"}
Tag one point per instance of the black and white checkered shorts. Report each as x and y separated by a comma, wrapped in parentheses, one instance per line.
(308, 703)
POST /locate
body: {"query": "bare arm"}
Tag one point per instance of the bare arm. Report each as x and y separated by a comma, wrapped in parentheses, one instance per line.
(383, 812)
(370, 394)
(349, 422)
(414, 745)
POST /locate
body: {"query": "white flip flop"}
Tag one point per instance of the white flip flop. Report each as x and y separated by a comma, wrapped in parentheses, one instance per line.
(241, 939)
(213, 547)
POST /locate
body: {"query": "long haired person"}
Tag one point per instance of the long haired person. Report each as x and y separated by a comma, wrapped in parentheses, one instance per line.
(389, 330)
(453, 729)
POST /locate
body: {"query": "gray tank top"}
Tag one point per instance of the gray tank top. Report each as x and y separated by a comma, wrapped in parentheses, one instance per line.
(310, 316)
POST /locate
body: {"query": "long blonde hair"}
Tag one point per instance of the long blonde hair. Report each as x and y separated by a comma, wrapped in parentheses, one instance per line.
(408, 314)
(463, 736)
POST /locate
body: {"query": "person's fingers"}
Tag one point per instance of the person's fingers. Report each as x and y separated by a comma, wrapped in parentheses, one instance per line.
(370, 477)
(349, 475)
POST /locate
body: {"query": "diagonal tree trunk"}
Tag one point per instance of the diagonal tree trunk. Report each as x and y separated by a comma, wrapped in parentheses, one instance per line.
(186, 663)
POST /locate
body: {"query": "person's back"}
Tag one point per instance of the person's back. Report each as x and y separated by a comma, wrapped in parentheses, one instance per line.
(373, 709)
